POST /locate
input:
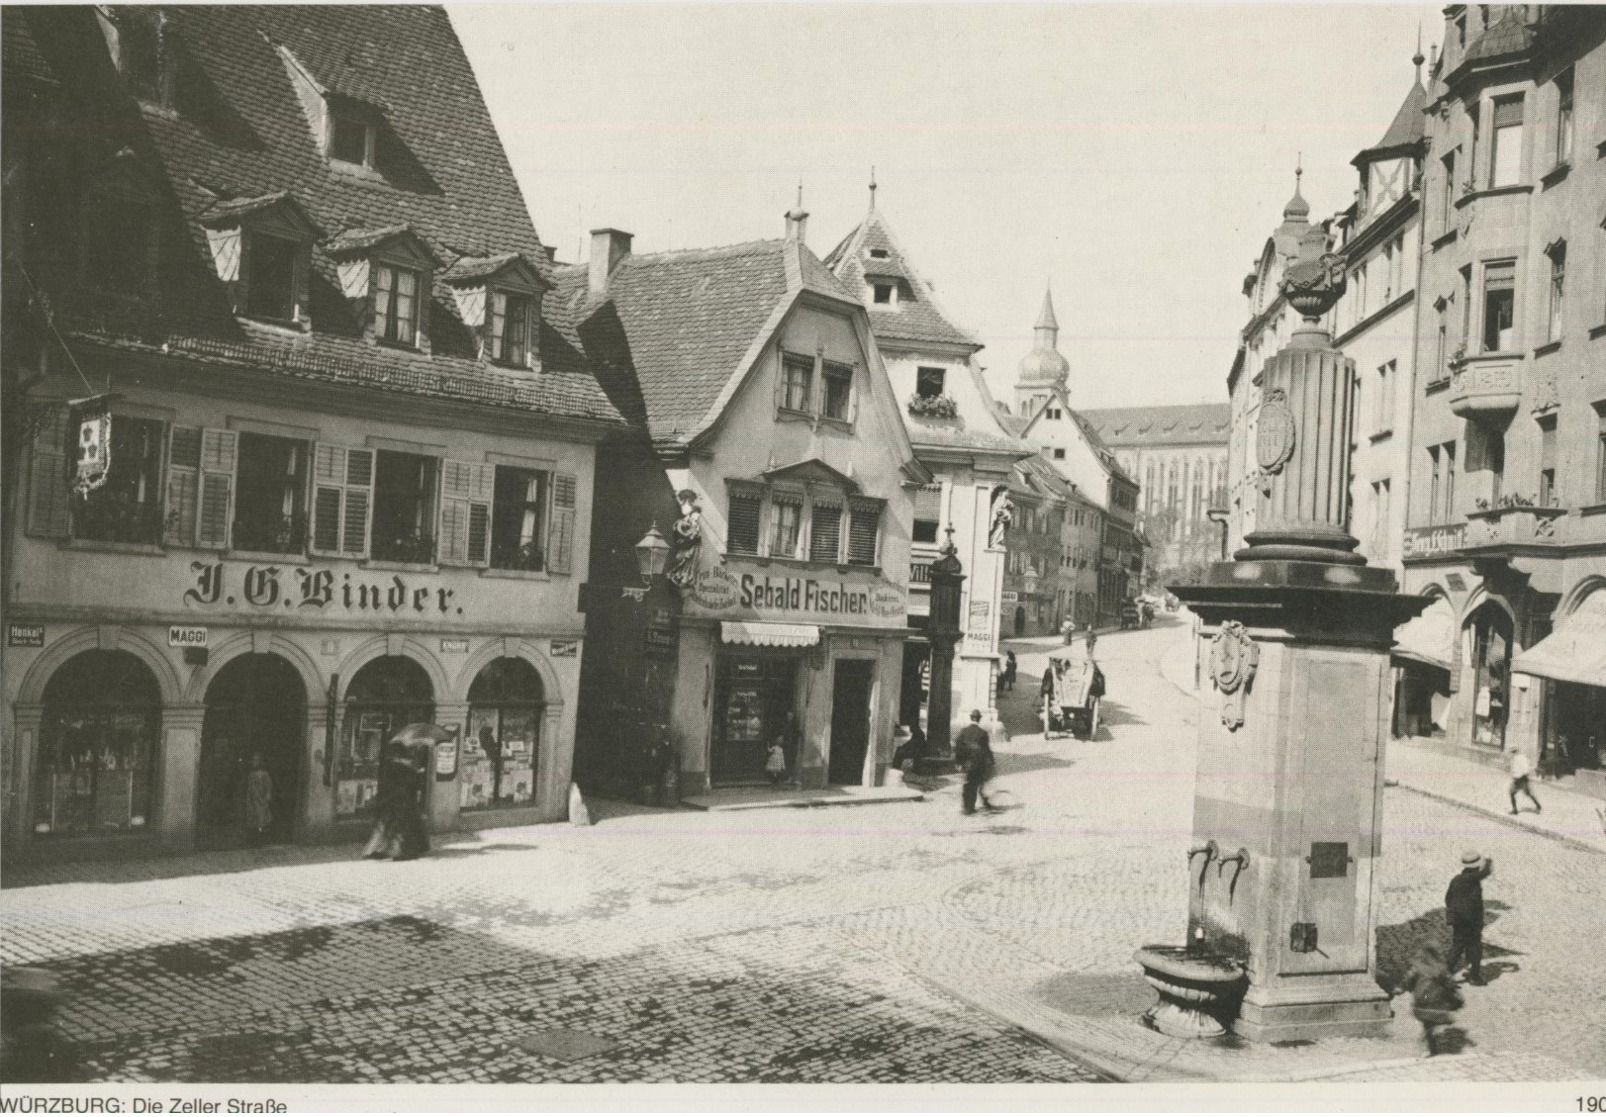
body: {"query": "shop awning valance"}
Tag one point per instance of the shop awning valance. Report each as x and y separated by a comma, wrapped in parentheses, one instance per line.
(1428, 638)
(1576, 651)
(768, 635)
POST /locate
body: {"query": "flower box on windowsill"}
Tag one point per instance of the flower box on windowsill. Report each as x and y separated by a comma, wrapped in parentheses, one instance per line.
(933, 407)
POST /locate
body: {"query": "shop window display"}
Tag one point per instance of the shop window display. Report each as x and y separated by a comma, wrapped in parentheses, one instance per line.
(385, 695)
(97, 746)
(506, 704)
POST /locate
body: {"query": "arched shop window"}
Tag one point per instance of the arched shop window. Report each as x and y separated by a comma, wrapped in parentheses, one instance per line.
(97, 746)
(1491, 659)
(506, 703)
(384, 696)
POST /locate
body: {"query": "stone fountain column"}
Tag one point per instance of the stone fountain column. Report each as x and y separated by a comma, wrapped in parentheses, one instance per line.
(1289, 791)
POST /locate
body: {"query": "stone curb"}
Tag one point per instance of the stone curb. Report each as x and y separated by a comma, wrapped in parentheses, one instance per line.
(1517, 823)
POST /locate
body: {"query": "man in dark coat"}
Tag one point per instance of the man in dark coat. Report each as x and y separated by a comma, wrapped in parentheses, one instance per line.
(974, 751)
(1463, 908)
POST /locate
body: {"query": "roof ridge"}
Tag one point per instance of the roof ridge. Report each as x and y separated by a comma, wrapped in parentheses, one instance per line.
(675, 254)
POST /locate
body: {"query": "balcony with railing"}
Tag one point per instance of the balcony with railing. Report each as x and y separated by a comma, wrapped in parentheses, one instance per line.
(103, 518)
(1486, 385)
(272, 535)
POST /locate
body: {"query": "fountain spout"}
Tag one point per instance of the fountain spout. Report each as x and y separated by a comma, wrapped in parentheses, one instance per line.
(1241, 859)
(1211, 851)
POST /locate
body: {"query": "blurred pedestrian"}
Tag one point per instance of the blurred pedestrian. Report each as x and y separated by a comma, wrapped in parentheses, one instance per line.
(974, 751)
(1068, 630)
(1463, 909)
(1434, 997)
(399, 832)
(1521, 769)
(1009, 670)
(1092, 638)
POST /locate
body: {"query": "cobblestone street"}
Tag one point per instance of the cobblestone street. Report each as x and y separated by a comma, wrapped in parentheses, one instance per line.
(896, 942)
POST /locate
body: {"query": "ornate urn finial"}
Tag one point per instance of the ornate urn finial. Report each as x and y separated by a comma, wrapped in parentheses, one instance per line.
(1315, 280)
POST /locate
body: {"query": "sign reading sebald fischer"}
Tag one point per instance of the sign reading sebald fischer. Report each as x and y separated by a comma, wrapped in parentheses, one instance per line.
(726, 592)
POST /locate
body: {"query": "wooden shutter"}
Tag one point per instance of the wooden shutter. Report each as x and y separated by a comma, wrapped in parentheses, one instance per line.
(746, 510)
(300, 281)
(864, 530)
(466, 492)
(928, 503)
(183, 486)
(219, 452)
(825, 532)
(49, 497)
(342, 499)
(560, 540)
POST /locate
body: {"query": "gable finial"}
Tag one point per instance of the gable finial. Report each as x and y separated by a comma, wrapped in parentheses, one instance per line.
(1417, 59)
(872, 186)
(799, 193)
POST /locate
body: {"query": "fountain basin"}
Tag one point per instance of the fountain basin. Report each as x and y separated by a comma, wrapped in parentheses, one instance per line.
(1197, 991)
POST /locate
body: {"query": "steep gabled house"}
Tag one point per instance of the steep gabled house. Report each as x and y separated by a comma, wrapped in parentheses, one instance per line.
(339, 478)
(768, 446)
(955, 428)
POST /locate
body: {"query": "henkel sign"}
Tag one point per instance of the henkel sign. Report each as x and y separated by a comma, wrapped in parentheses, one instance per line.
(1426, 542)
(733, 593)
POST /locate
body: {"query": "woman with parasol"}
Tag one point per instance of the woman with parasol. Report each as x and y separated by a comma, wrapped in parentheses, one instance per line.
(399, 830)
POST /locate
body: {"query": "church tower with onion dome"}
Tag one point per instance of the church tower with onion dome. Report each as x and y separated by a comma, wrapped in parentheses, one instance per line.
(1043, 371)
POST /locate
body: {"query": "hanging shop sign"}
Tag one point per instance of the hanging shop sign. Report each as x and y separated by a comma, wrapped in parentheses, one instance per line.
(299, 587)
(721, 590)
(663, 631)
(92, 417)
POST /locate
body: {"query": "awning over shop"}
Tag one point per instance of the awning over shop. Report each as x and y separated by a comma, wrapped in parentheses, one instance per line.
(1429, 637)
(769, 635)
(1576, 651)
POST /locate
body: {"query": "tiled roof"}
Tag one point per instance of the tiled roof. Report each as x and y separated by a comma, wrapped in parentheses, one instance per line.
(675, 326)
(917, 316)
(239, 139)
(1508, 35)
(22, 57)
(1408, 126)
(1168, 425)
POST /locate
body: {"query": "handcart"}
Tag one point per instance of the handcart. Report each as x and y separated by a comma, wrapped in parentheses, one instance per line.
(1071, 694)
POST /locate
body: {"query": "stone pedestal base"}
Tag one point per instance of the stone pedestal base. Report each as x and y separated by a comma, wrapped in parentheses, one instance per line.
(1339, 1006)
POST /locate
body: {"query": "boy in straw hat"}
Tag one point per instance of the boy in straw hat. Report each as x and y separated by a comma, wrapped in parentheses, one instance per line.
(1463, 908)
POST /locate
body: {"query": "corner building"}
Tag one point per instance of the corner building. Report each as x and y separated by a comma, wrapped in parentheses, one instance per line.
(1507, 514)
(762, 410)
(350, 457)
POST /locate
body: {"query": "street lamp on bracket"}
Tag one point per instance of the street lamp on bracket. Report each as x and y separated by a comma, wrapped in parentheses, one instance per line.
(652, 555)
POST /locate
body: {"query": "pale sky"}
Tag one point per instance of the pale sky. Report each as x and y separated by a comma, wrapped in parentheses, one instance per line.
(1136, 157)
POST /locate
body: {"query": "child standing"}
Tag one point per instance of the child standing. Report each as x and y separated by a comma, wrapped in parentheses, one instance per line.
(776, 764)
(258, 801)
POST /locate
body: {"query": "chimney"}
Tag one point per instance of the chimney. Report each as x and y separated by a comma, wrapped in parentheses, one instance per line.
(608, 247)
(797, 225)
(551, 251)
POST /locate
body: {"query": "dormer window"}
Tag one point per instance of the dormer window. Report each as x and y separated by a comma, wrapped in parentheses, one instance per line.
(395, 304)
(885, 294)
(509, 327)
(929, 382)
(878, 253)
(270, 277)
(499, 297)
(138, 40)
(351, 139)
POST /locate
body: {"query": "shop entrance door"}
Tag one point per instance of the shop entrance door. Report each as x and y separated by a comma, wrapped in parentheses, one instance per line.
(850, 719)
(755, 695)
(255, 708)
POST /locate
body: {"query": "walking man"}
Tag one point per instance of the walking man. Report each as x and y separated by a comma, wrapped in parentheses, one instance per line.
(1009, 670)
(1463, 908)
(1521, 769)
(973, 750)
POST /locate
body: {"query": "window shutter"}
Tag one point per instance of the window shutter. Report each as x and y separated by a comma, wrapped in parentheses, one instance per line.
(854, 381)
(560, 541)
(355, 519)
(466, 490)
(219, 449)
(825, 532)
(864, 530)
(745, 512)
(301, 281)
(49, 497)
(780, 381)
(928, 503)
(183, 486)
(342, 485)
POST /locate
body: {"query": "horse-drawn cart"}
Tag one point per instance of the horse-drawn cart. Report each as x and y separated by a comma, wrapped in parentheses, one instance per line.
(1072, 688)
